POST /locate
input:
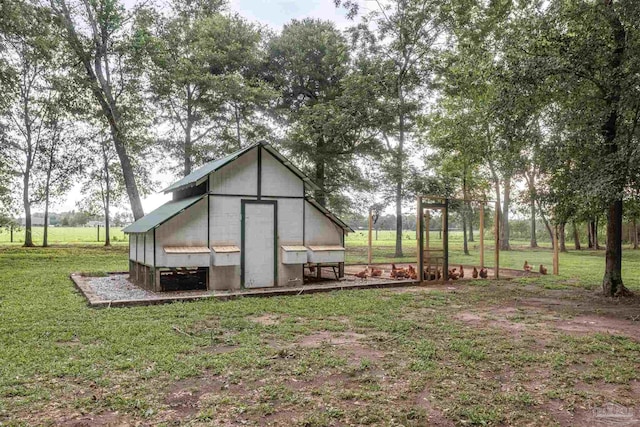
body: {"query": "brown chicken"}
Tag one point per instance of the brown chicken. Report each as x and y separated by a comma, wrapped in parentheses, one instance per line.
(474, 273)
(483, 273)
(376, 272)
(398, 273)
(543, 269)
(453, 275)
(461, 272)
(362, 274)
(412, 273)
(527, 267)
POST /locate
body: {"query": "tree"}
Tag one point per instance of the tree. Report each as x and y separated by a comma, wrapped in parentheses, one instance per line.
(203, 74)
(98, 33)
(28, 47)
(404, 36)
(331, 108)
(586, 54)
(104, 185)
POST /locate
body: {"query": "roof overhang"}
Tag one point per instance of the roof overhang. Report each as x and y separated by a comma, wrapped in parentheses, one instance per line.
(161, 215)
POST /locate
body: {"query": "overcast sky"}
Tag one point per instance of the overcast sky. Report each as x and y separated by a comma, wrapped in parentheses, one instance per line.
(273, 13)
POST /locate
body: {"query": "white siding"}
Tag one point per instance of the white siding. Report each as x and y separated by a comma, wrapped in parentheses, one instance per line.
(140, 247)
(225, 221)
(278, 180)
(188, 228)
(132, 247)
(148, 248)
(237, 177)
(320, 230)
(290, 221)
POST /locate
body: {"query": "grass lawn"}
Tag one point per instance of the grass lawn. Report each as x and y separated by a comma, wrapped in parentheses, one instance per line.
(542, 351)
(64, 235)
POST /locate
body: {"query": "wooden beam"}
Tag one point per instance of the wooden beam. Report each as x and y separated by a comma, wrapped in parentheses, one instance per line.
(496, 266)
(482, 236)
(370, 252)
(419, 238)
(556, 252)
(445, 241)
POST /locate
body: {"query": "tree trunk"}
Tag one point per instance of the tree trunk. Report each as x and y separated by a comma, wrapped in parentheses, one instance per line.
(504, 238)
(188, 147)
(465, 243)
(45, 231)
(590, 234)
(399, 177)
(238, 134)
(596, 241)
(107, 197)
(562, 242)
(576, 236)
(612, 281)
(471, 239)
(319, 195)
(612, 284)
(533, 241)
(28, 238)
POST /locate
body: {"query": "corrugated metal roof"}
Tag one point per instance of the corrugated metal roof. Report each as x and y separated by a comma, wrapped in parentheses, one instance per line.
(329, 215)
(198, 176)
(161, 215)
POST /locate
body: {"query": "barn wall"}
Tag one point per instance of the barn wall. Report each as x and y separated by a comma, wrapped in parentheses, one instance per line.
(148, 248)
(140, 247)
(278, 180)
(132, 247)
(188, 228)
(224, 278)
(290, 221)
(320, 230)
(238, 177)
(225, 220)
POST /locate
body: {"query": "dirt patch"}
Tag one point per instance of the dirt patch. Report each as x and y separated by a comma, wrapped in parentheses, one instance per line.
(330, 338)
(435, 417)
(266, 319)
(104, 419)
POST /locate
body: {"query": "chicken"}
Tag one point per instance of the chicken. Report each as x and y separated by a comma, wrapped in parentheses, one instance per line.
(461, 272)
(474, 273)
(483, 273)
(412, 273)
(527, 267)
(376, 272)
(362, 274)
(398, 273)
(453, 275)
(543, 269)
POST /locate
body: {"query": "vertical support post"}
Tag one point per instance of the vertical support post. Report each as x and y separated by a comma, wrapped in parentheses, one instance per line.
(12, 234)
(482, 235)
(556, 252)
(427, 221)
(370, 252)
(98, 232)
(420, 238)
(496, 267)
(445, 240)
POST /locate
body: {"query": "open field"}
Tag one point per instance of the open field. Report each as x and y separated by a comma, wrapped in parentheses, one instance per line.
(544, 351)
(65, 235)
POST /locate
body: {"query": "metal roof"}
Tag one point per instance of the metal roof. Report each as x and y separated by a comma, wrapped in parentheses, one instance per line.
(161, 215)
(329, 215)
(199, 176)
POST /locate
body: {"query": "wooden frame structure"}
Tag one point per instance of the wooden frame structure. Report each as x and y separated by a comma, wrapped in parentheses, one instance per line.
(424, 204)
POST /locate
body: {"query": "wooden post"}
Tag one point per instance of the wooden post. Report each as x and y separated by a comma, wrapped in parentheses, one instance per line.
(482, 235)
(370, 252)
(427, 244)
(98, 232)
(496, 267)
(12, 234)
(445, 241)
(556, 252)
(419, 239)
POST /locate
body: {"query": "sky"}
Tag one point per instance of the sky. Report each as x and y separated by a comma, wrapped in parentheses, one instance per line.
(272, 13)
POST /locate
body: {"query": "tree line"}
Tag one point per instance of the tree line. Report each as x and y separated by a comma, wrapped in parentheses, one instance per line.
(532, 104)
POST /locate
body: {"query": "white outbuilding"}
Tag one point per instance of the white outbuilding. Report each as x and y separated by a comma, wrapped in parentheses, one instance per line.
(242, 221)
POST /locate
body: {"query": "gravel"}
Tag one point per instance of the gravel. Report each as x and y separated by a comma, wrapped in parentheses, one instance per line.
(117, 287)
